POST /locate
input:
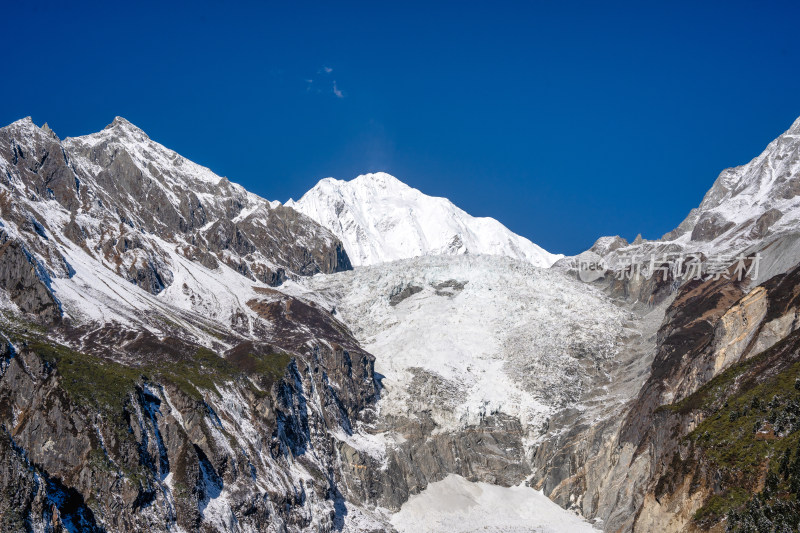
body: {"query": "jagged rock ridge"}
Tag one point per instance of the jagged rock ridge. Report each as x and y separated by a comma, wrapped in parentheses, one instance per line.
(124, 198)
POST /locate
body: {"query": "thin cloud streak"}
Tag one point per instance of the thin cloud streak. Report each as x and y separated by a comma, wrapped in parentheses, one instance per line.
(322, 83)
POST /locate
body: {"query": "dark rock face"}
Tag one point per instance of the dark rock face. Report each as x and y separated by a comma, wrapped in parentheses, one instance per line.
(401, 293)
(450, 287)
(20, 277)
(709, 227)
(764, 223)
(490, 451)
(147, 447)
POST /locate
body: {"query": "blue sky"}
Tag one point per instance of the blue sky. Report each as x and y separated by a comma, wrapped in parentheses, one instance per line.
(564, 120)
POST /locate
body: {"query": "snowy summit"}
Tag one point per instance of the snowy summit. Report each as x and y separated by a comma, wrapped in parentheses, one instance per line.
(379, 218)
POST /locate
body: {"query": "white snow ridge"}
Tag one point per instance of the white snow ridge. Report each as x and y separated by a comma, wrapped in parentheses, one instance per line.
(378, 218)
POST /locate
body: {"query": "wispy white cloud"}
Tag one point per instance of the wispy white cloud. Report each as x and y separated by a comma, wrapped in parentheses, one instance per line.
(322, 83)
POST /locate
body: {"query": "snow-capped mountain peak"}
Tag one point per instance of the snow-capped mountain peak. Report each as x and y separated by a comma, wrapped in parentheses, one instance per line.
(379, 218)
(378, 180)
(122, 126)
(23, 122)
(751, 201)
(795, 129)
(747, 206)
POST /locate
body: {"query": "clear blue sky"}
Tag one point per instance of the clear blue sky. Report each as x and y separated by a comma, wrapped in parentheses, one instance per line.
(564, 120)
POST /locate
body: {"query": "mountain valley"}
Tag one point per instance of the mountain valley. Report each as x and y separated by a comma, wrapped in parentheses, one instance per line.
(180, 354)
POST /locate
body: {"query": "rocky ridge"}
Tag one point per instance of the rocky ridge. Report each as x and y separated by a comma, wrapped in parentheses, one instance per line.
(124, 199)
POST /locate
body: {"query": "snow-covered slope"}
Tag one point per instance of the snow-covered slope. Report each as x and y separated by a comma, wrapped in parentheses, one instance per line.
(120, 225)
(379, 219)
(456, 505)
(484, 360)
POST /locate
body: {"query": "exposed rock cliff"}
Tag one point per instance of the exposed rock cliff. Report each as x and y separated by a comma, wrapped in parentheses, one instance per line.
(690, 447)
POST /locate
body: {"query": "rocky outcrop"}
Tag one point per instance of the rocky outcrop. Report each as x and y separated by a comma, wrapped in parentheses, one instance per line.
(25, 281)
(710, 226)
(491, 452)
(187, 438)
(653, 468)
(402, 292)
